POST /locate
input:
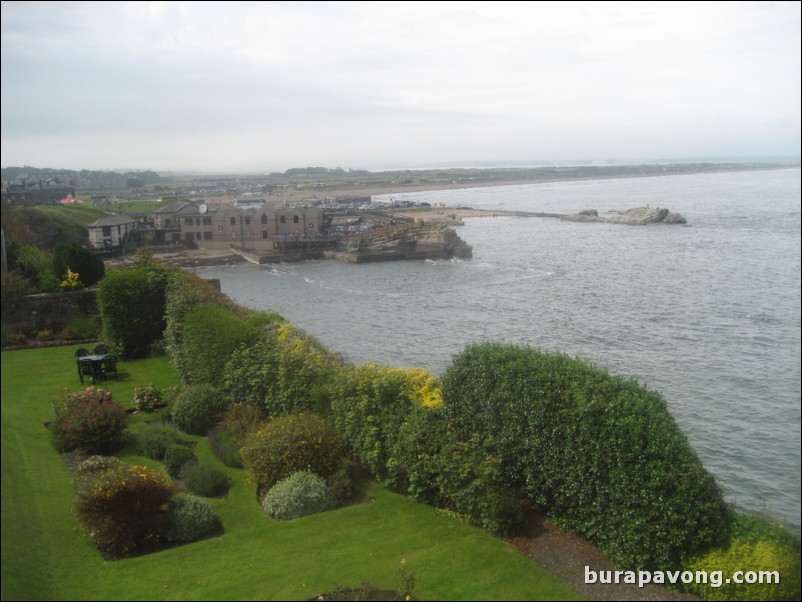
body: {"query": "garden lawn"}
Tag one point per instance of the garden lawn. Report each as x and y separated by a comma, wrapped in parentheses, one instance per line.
(47, 556)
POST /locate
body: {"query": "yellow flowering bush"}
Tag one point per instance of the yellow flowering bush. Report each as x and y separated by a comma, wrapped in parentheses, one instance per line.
(122, 506)
(288, 444)
(71, 282)
(373, 402)
(424, 388)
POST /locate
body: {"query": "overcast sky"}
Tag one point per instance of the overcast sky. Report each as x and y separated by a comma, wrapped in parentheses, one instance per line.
(264, 86)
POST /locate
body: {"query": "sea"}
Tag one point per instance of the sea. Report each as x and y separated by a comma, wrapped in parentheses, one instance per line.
(707, 313)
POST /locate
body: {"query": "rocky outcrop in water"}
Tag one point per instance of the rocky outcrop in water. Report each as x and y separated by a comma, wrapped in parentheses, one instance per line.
(639, 216)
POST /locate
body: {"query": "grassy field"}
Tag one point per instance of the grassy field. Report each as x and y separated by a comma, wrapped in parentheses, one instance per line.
(47, 556)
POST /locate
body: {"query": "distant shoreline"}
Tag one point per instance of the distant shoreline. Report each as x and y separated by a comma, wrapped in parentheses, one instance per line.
(326, 192)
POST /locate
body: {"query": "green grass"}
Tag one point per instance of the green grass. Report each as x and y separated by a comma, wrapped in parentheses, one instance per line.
(46, 555)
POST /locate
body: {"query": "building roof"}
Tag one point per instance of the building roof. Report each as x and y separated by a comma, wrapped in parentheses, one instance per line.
(112, 220)
(180, 207)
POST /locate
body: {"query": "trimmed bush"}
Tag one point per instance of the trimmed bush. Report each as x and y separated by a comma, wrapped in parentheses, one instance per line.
(231, 433)
(210, 334)
(602, 455)
(197, 409)
(288, 444)
(122, 506)
(132, 305)
(207, 479)
(185, 293)
(178, 459)
(156, 437)
(89, 420)
(189, 518)
(300, 494)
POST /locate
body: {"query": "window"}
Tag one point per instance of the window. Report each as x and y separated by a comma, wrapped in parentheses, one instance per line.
(197, 221)
(207, 221)
(106, 230)
(207, 236)
(264, 233)
(264, 218)
(233, 221)
(294, 219)
(247, 220)
(282, 219)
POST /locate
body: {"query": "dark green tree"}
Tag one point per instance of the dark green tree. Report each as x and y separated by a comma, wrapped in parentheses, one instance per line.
(86, 264)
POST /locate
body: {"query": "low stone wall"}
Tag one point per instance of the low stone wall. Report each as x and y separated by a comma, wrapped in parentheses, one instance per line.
(49, 311)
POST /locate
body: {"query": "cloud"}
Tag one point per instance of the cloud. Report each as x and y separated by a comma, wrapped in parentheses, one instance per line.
(197, 85)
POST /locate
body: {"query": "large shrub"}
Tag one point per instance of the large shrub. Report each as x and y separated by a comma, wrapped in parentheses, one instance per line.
(288, 444)
(304, 373)
(89, 420)
(370, 406)
(197, 409)
(231, 433)
(300, 494)
(184, 292)
(132, 304)
(122, 506)
(600, 454)
(189, 518)
(209, 335)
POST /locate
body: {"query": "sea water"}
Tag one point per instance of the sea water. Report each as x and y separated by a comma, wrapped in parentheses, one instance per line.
(708, 314)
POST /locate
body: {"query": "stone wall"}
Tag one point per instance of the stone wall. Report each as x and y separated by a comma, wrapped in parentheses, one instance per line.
(50, 311)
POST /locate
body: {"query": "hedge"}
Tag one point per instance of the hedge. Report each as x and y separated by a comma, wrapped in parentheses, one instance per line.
(600, 454)
(132, 305)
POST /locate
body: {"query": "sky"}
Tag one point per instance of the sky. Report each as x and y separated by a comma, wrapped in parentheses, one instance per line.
(266, 86)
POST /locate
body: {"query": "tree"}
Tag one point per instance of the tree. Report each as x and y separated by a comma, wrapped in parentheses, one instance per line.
(74, 257)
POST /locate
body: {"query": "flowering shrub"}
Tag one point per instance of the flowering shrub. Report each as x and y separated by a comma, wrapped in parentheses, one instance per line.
(288, 444)
(298, 495)
(147, 399)
(122, 506)
(425, 388)
(89, 420)
(71, 281)
(371, 404)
